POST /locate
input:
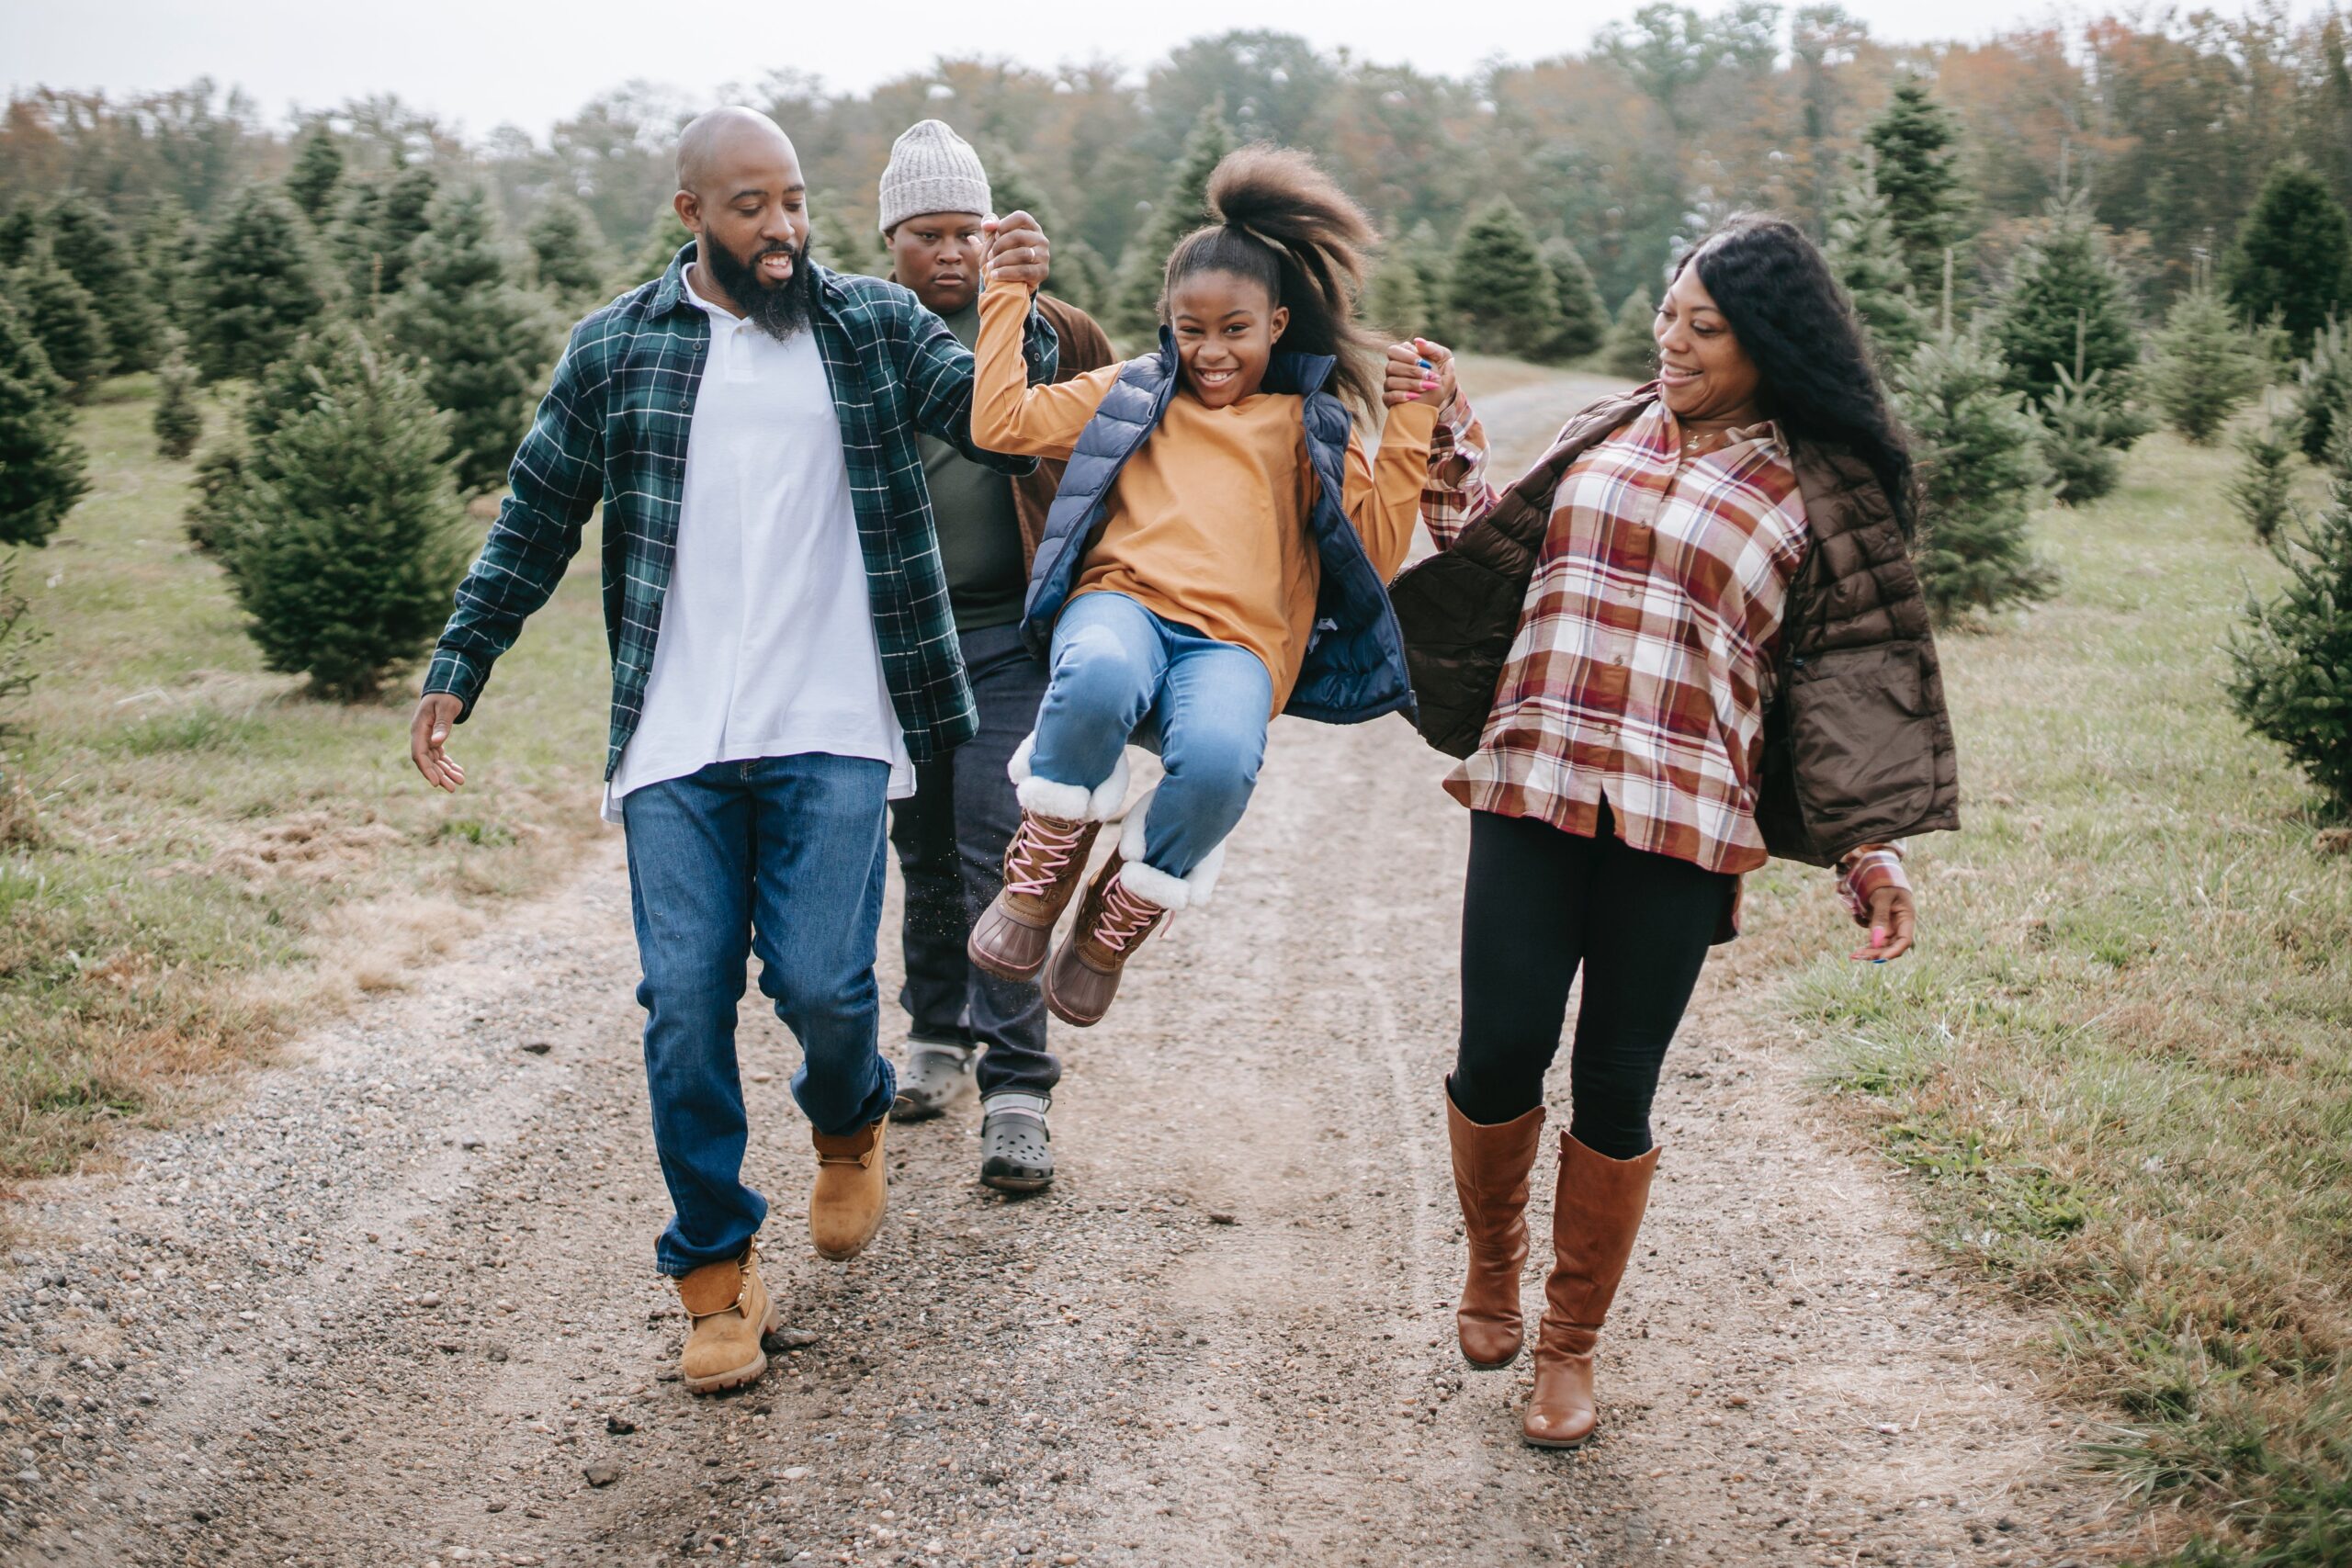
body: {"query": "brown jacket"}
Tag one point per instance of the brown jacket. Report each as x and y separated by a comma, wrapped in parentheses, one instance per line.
(1083, 348)
(1857, 747)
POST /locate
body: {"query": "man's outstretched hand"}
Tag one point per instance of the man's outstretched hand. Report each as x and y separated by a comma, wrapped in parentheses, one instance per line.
(1019, 254)
(436, 711)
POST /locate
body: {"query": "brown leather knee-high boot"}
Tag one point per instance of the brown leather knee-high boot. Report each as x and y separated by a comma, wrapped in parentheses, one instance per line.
(1595, 1218)
(1490, 1166)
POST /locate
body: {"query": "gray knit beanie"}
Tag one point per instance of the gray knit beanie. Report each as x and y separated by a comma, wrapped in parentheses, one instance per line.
(932, 170)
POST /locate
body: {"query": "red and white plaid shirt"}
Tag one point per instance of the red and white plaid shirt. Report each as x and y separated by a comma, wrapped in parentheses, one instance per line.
(1644, 662)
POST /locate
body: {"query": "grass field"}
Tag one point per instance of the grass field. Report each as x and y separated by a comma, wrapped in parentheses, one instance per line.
(201, 823)
(2121, 1063)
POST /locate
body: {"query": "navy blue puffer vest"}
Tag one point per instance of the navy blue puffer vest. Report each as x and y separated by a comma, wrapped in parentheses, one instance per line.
(1354, 668)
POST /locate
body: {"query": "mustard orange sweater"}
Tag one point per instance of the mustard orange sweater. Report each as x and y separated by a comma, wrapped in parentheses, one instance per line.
(1206, 523)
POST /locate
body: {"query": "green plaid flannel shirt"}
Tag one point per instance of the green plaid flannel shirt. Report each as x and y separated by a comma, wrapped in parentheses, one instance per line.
(613, 428)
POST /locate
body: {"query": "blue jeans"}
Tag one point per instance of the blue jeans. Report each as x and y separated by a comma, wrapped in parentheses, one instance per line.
(782, 856)
(950, 837)
(1115, 664)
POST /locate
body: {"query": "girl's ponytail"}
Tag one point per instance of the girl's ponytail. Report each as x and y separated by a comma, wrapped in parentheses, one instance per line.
(1282, 221)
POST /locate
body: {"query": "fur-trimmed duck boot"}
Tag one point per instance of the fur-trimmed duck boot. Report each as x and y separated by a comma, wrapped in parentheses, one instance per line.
(1126, 903)
(1043, 866)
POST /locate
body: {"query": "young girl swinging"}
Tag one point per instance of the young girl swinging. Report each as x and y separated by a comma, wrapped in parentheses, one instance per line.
(1217, 554)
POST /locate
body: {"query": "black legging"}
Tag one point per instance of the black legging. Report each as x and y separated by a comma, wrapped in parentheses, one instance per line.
(1539, 902)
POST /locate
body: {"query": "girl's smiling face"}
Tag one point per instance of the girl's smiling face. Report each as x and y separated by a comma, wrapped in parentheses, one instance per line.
(1225, 328)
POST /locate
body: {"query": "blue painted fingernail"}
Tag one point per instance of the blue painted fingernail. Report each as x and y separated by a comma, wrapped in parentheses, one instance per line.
(1425, 364)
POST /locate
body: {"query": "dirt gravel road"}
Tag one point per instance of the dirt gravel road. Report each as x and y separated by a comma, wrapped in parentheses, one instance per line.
(395, 1306)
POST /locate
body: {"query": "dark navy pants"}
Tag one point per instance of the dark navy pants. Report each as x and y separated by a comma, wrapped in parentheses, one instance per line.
(950, 837)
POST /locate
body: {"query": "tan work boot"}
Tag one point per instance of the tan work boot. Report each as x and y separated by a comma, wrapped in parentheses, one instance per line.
(1490, 1167)
(1112, 922)
(1595, 1218)
(852, 1191)
(1042, 867)
(727, 1310)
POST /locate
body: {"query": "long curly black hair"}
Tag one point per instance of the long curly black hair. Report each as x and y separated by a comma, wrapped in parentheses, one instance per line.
(1774, 287)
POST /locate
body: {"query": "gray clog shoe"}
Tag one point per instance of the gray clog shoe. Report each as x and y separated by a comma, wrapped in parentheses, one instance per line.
(1016, 1151)
(937, 1075)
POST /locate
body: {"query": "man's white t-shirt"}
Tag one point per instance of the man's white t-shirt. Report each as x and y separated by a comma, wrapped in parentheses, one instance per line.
(767, 645)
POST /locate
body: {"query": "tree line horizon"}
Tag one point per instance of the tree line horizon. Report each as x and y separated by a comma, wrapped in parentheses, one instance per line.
(1673, 118)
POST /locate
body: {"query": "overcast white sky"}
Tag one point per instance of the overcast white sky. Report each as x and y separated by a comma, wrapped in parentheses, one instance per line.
(492, 60)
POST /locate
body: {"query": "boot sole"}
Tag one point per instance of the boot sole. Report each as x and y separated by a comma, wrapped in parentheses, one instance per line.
(1556, 1442)
(749, 1373)
(1478, 1366)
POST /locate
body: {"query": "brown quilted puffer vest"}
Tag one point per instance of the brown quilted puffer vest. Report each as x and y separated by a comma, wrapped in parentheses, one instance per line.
(1857, 746)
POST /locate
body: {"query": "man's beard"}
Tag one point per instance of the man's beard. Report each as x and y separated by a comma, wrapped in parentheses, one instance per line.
(778, 310)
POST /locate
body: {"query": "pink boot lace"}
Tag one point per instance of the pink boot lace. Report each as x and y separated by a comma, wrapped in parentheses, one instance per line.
(1041, 850)
(1125, 919)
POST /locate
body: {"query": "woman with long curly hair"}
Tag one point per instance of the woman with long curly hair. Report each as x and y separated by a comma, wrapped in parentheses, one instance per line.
(1689, 638)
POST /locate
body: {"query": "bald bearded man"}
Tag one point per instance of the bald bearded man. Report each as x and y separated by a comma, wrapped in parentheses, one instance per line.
(783, 653)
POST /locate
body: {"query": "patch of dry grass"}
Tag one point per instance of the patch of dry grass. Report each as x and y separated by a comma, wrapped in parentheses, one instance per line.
(201, 832)
(2122, 1059)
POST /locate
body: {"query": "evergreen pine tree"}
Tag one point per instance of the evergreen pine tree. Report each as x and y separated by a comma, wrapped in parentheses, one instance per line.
(2323, 392)
(2065, 305)
(168, 243)
(1393, 302)
(1079, 276)
(1501, 292)
(661, 243)
(2203, 368)
(1183, 208)
(1981, 471)
(257, 285)
(64, 321)
(42, 467)
(1862, 252)
(1427, 254)
(380, 222)
(836, 242)
(1631, 349)
(1583, 320)
(1916, 171)
(211, 482)
(20, 226)
(2291, 679)
(482, 341)
(316, 173)
(567, 253)
(1011, 190)
(2264, 488)
(346, 536)
(2293, 255)
(178, 422)
(95, 250)
(2084, 464)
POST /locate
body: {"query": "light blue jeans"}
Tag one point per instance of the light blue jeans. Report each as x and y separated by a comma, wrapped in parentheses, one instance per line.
(1120, 671)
